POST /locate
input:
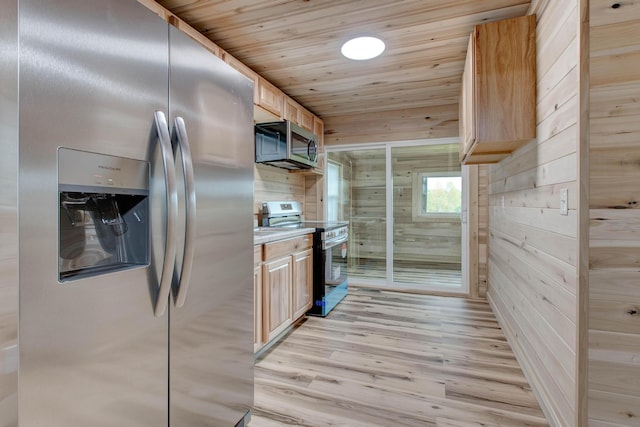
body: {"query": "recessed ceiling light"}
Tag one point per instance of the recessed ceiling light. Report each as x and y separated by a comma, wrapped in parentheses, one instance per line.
(362, 48)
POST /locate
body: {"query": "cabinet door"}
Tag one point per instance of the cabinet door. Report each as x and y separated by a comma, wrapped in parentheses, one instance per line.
(498, 101)
(276, 277)
(306, 119)
(291, 110)
(467, 114)
(257, 307)
(505, 82)
(270, 97)
(302, 282)
(297, 114)
(318, 130)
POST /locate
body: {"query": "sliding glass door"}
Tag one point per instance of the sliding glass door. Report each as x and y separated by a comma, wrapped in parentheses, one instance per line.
(363, 203)
(404, 206)
(427, 206)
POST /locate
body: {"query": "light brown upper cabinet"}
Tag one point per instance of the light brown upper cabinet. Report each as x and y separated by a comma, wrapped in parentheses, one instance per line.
(297, 114)
(270, 97)
(306, 119)
(318, 130)
(498, 100)
(291, 110)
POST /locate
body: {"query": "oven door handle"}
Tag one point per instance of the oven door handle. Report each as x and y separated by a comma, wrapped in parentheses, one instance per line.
(328, 244)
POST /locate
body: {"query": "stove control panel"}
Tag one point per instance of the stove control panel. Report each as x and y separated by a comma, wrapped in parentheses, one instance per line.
(337, 232)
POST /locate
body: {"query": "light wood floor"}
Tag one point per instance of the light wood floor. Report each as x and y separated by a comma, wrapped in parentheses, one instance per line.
(415, 273)
(390, 359)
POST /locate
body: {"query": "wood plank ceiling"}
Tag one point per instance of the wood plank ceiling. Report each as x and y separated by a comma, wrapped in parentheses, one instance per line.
(295, 44)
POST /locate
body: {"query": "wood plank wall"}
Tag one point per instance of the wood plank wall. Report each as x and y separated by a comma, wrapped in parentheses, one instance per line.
(533, 265)
(368, 204)
(614, 276)
(438, 121)
(483, 226)
(478, 223)
(9, 215)
(313, 197)
(272, 183)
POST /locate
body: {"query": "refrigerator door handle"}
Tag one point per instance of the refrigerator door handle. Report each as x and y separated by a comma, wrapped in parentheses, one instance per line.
(164, 141)
(181, 284)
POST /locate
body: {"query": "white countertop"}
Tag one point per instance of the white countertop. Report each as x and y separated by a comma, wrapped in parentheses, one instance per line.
(271, 234)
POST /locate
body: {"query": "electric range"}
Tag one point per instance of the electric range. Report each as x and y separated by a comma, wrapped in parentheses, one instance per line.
(330, 246)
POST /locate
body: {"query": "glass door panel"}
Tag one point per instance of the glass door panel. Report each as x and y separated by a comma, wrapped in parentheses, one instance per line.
(427, 204)
(362, 201)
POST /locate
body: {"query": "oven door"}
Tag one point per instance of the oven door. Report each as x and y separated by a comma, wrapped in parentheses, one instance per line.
(335, 257)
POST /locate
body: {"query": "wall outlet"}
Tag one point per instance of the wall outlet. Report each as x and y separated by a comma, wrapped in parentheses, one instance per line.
(564, 201)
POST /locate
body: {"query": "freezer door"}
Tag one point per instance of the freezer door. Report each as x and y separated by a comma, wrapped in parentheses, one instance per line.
(92, 352)
(9, 213)
(211, 334)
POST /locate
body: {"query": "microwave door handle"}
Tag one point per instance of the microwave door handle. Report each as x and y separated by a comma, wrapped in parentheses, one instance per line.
(314, 144)
(181, 284)
(288, 145)
(164, 141)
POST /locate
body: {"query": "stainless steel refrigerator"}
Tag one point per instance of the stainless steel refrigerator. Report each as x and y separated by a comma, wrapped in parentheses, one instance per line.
(135, 188)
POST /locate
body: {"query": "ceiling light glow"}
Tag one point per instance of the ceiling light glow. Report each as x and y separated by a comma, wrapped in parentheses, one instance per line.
(362, 48)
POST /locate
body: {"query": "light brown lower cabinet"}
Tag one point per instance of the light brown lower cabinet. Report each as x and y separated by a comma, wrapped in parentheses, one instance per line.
(302, 282)
(285, 293)
(276, 313)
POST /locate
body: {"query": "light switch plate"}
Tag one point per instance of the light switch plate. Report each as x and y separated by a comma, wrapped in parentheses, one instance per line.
(564, 201)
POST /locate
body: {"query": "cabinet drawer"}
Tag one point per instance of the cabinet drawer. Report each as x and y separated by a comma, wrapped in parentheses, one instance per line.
(286, 247)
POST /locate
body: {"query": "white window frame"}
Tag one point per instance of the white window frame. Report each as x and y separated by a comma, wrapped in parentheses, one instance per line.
(416, 201)
(340, 195)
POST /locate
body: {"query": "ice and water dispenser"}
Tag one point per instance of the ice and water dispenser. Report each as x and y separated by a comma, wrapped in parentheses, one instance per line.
(103, 214)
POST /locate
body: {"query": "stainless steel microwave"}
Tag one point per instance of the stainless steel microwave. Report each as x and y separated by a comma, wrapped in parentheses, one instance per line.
(286, 145)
